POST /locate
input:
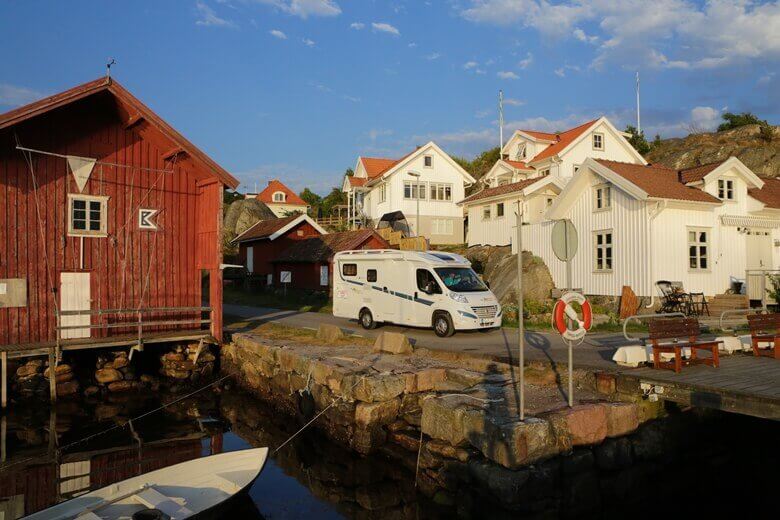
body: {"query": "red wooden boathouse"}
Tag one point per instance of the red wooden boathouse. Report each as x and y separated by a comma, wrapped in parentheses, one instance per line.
(108, 217)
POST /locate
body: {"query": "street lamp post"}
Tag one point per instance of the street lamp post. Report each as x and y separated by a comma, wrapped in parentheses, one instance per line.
(417, 218)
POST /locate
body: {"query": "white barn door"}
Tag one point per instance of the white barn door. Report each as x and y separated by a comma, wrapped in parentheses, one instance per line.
(250, 259)
(75, 296)
(759, 256)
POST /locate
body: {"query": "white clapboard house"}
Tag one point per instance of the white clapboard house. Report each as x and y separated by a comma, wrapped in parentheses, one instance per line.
(390, 187)
(534, 167)
(637, 224)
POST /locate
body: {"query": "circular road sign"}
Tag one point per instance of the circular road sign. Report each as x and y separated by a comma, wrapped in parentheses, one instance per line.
(564, 240)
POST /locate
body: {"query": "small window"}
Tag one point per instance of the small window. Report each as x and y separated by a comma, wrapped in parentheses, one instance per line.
(499, 210)
(603, 197)
(428, 161)
(410, 190)
(371, 275)
(725, 189)
(349, 269)
(598, 141)
(87, 215)
(698, 249)
(486, 213)
(280, 196)
(544, 172)
(603, 251)
(299, 232)
(441, 191)
(383, 193)
(427, 283)
(549, 201)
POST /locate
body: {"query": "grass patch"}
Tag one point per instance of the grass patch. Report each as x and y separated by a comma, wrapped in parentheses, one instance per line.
(302, 301)
(275, 331)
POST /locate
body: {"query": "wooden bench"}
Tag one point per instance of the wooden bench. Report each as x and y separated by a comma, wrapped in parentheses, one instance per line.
(675, 329)
(765, 328)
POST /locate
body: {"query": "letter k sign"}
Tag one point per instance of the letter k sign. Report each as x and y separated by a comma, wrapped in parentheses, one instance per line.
(146, 218)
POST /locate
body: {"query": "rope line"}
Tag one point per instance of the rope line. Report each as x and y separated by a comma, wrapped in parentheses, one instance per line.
(117, 165)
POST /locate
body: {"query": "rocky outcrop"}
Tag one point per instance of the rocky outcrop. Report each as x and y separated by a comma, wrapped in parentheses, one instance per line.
(499, 268)
(240, 216)
(185, 364)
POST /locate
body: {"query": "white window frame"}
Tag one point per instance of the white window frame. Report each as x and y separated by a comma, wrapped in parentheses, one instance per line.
(425, 159)
(414, 185)
(282, 198)
(503, 210)
(695, 242)
(598, 136)
(726, 190)
(544, 172)
(607, 250)
(440, 188)
(602, 194)
(486, 212)
(103, 200)
(382, 193)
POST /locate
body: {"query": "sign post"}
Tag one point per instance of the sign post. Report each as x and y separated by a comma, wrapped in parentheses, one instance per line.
(564, 245)
(520, 310)
(285, 277)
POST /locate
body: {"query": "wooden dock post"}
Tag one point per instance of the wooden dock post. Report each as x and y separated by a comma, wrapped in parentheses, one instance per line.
(52, 378)
(4, 379)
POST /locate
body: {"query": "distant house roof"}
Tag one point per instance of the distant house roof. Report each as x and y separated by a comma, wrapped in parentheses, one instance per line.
(562, 140)
(769, 194)
(520, 165)
(322, 248)
(504, 189)
(267, 195)
(697, 173)
(356, 181)
(658, 181)
(271, 229)
(376, 166)
(140, 113)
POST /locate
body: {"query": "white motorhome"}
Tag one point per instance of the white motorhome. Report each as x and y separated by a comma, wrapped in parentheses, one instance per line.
(415, 288)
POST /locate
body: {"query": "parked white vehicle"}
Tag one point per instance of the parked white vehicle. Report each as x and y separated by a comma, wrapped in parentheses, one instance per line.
(416, 288)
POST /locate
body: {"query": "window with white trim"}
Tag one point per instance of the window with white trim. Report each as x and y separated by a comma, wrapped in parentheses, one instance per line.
(602, 251)
(442, 226)
(499, 210)
(279, 196)
(602, 197)
(410, 190)
(698, 249)
(441, 191)
(87, 215)
(544, 172)
(549, 201)
(521, 151)
(382, 193)
(598, 141)
(485, 212)
(726, 189)
(428, 161)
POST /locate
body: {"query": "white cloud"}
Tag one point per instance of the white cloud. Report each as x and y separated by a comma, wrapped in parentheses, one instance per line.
(583, 37)
(470, 65)
(358, 26)
(432, 56)
(351, 98)
(412, 45)
(561, 72)
(526, 62)
(207, 17)
(305, 8)
(308, 42)
(374, 133)
(482, 114)
(706, 118)
(385, 28)
(514, 102)
(276, 33)
(11, 95)
(504, 74)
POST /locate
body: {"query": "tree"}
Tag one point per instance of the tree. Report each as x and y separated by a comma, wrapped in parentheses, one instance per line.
(310, 198)
(228, 196)
(731, 120)
(637, 140)
(334, 198)
(656, 141)
(349, 172)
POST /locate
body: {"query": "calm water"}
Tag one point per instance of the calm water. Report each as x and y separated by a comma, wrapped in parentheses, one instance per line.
(730, 464)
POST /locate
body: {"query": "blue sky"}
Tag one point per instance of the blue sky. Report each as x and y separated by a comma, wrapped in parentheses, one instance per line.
(297, 89)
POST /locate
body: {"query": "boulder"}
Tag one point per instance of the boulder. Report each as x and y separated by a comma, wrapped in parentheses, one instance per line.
(105, 376)
(91, 391)
(500, 270)
(622, 418)
(444, 419)
(376, 388)
(59, 370)
(173, 356)
(392, 343)
(27, 370)
(121, 386)
(408, 441)
(512, 445)
(383, 412)
(584, 424)
(121, 362)
(67, 388)
(329, 333)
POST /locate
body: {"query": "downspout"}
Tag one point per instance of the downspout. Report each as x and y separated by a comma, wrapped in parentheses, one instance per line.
(653, 215)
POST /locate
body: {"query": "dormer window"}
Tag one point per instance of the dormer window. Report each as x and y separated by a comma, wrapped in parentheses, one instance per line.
(428, 161)
(598, 142)
(725, 189)
(280, 196)
(520, 151)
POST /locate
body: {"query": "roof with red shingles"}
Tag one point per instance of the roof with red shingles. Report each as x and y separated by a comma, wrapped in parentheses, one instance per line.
(698, 173)
(658, 181)
(504, 189)
(265, 228)
(376, 166)
(267, 195)
(520, 165)
(563, 140)
(769, 194)
(322, 248)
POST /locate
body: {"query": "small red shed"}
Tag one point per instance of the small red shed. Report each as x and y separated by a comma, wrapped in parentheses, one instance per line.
(109, 216)
(310, 261)
(259, 245)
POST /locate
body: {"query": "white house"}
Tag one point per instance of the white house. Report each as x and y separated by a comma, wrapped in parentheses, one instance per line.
(637, 224)
(550, 158)
(381, 187)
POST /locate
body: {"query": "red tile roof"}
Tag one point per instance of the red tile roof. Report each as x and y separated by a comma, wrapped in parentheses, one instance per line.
(501, 190)
(265, 228)
(563, 140)
(769, 194)
(697, 173)
(322, 248)
(520, 165)
(267, 195)
(357, 181)
(546, 136)
(376, 166)
(658, 181)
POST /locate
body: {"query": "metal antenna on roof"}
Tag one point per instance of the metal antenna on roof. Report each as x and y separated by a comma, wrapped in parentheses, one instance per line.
(638, 118)
(500, 121)
(111, 61)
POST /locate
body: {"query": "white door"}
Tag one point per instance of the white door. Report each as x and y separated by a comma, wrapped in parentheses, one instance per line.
(324, 275)
(250, 259)
(759, 257)
(75, 296)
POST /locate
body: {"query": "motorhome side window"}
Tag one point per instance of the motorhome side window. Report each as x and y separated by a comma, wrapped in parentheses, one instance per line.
(371, 275)
(349, 269)
(426, 282)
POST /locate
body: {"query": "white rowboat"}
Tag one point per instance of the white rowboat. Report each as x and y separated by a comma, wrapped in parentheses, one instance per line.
(179, 491)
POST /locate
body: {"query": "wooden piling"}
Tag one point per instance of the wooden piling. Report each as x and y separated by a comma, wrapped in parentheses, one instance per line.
(52, 378)
(4, 379)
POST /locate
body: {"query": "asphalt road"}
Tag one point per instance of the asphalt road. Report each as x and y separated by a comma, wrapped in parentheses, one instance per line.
(596, 351)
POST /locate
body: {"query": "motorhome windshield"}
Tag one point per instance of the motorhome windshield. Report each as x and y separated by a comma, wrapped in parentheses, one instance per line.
(460, 279)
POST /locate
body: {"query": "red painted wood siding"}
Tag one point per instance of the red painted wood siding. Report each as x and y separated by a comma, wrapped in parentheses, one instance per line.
(265, 251)
(130, 267)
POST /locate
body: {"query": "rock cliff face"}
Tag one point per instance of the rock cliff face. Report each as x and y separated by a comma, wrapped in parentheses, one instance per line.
(239, 216)
(759, 150)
